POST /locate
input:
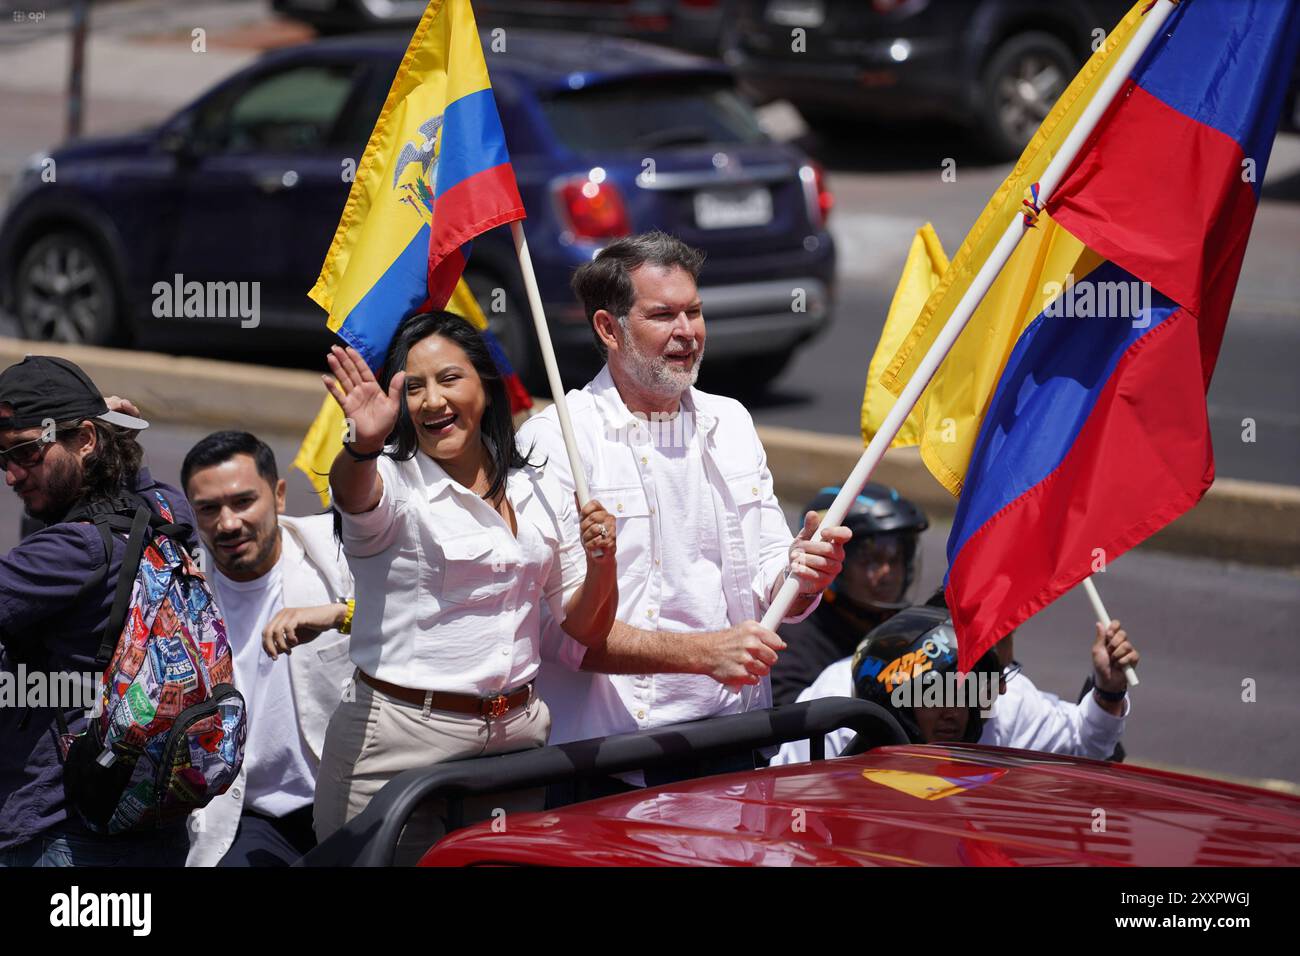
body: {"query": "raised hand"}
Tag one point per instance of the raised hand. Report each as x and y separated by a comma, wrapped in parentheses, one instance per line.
(1111, 653)
(372, 412)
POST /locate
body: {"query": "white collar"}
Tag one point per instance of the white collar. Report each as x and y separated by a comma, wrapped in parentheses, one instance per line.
(518, 485)
(614, 410)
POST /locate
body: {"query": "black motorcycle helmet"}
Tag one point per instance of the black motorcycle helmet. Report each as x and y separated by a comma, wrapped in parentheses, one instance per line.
(878, 514)
(912, 645)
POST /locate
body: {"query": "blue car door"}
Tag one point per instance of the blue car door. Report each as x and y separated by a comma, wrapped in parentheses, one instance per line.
(263, 191)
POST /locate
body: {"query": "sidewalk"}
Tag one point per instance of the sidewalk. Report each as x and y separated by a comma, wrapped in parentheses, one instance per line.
(141, 66)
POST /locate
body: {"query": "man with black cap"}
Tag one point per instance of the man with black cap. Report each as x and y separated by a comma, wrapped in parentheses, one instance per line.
(63, 446)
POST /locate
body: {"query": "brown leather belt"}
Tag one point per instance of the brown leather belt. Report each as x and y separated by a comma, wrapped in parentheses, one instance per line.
(498, 705)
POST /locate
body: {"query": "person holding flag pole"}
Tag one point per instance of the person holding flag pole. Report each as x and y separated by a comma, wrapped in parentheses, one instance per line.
(455, 533)
(1078, 433)
(703, 542)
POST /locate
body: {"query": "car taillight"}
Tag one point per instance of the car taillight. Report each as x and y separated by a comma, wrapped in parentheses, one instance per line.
(595, 209)
(818, 195)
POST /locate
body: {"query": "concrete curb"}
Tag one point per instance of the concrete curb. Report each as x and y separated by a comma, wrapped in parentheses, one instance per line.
(1251, 522)
(1247, 521)
(192, 391)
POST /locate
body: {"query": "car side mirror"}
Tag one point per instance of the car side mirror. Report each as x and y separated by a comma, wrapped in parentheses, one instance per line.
(176, 142)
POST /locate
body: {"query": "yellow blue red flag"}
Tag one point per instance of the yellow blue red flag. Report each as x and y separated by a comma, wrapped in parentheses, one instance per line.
(435, 174)
(1070, 415)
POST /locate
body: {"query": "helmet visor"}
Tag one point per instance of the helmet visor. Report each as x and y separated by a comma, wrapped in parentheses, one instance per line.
(880, 570)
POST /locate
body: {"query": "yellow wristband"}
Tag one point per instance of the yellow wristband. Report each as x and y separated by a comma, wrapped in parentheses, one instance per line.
(346, 626)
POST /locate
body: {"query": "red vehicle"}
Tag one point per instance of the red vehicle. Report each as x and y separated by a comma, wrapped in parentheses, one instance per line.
(895, 804)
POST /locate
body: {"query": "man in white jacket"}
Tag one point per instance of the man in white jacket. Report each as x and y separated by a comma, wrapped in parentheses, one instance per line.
(280, 582)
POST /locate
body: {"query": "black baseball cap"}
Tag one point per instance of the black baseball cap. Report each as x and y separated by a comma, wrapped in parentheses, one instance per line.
(43, 387)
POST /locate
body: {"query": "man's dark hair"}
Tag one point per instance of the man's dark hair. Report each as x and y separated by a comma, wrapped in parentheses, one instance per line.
(497, 429)
(219, 447)
(114, 464)
(606, 281)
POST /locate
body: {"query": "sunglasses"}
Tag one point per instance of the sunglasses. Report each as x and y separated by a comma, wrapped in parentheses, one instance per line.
(29, 454)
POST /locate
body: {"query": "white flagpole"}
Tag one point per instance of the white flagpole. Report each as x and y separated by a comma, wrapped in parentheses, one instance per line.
(1103, 618)
(982, 282)
(548, 360)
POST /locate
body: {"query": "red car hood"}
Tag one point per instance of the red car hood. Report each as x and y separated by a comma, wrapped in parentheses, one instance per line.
(951, 805)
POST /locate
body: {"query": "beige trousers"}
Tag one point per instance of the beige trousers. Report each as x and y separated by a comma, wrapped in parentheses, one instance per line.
(371, 739)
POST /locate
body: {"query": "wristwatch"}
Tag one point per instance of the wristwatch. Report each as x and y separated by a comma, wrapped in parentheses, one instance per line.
(1112, 696)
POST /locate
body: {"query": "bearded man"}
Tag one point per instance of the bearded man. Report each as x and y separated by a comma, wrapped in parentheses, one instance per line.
(703, 545)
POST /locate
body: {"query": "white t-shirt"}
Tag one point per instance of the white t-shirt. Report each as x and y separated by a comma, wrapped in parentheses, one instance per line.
(280, 778)
(693, 598)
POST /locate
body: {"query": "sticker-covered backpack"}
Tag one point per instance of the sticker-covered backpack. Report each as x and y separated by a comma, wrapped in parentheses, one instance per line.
(169, 727)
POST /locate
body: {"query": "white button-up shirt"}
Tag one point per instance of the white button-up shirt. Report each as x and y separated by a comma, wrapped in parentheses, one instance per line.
(747, 523)
(447, 598)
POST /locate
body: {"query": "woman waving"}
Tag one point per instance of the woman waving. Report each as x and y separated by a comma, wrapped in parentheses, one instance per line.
(454, 538)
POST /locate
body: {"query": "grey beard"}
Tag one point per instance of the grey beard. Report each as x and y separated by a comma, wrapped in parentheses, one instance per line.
(653, 374)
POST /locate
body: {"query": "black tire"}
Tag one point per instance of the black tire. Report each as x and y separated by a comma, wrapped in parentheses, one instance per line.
(1022, 80)
(508, 319)
(65, 292)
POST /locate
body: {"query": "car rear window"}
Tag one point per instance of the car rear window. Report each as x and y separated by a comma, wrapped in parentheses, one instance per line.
(651, 114)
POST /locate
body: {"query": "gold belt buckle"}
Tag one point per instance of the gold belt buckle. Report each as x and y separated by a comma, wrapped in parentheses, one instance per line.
(497, 706)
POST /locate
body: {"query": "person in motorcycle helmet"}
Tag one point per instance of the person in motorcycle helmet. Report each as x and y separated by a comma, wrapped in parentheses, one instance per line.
(881, 567)
(908, 665)
(1024, 717)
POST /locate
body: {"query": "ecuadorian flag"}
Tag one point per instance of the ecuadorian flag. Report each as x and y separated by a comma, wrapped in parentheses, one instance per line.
(1070, 416)
(435, 174)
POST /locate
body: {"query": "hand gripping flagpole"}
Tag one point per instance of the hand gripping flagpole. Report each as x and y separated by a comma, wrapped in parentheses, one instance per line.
(552, 367)
(1103, 618)
(979, 287)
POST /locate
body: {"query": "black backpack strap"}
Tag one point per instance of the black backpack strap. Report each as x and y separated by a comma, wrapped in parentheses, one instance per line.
(96, 580)
(125, 584)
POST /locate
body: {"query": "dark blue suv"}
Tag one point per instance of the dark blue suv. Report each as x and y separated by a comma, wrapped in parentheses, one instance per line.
(245, 186)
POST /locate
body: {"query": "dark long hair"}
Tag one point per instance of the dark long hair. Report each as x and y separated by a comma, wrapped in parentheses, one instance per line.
(113, 466)
(497, 429)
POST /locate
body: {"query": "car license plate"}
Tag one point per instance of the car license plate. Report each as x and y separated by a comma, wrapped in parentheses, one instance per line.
(796, 13)
(732, 208)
